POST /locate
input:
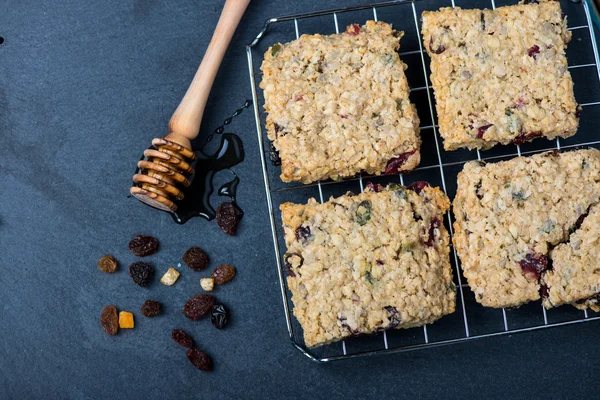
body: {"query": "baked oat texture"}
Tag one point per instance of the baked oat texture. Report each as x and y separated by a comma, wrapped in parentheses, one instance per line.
(500, 76)
(509, 215)
(575, 274)
(362, 263)
(338, 105)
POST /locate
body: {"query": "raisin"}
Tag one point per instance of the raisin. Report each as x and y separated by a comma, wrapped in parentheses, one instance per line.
(526, 137)
(418, 186)
(439, 50)
(150, 308)
(435, 224)
(303, 233)
(195, 258)
(353, 29)
(142, 246)
(363, 212)
(199, 359)
(218, 317)
(394, 166)
(289, 260)
(533, 265)
(543, 291)
(393, 316)
(533, 51)
(481, 130)
(223, 274)
(228, 217)
(108, 264)
(198, 306)
(109, 319)
(375, 187)
(141, 273)
(182, 338)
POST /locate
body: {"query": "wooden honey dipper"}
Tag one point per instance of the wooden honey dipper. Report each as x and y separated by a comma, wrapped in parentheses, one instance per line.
(167, 166)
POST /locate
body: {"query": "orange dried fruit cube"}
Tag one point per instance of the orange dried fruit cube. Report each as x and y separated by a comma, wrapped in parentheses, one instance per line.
(126, 320)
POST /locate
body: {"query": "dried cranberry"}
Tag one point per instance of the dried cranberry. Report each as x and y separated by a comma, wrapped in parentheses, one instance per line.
(375, 187)
(394, 165)
(182, 338)
(418, 186)
(526, 137)
(228, 217)
(543, 291)
(482, 129)
(533, 51)
(393, 316)
(439, 50)
(199, 359)
(353, 29)
(435, 224)
(379, 262)
(533, 265)
(303, 234)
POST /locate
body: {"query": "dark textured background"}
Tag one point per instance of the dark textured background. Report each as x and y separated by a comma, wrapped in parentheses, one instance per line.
(84, 87)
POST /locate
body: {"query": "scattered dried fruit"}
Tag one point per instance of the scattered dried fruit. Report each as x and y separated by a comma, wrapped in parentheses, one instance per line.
(126, 320)
(198, 306)
(223, 274)
(199, 359)
(303, 233)
(374, 187)
(207, 284)
(353, 29)
(533, 265)
(170, 277)
(196, 258)
(533, 51)
(143, 246)
(218, 317)
(439, 50)
(394, 166)
(418, 186)
(108, 264)
(182, 338)
(109, 320)
(141, 273)
(481, 130)
(150, 308)
(228, 217)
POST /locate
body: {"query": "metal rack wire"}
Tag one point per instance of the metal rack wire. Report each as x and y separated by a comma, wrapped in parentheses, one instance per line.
(483, 322)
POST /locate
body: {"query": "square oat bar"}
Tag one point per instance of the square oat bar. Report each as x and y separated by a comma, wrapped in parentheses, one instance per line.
(362, 263)
(338, 105)
(509, 217)
(500, 76)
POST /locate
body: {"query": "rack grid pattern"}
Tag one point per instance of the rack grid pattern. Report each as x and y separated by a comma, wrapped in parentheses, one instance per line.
(380, 343)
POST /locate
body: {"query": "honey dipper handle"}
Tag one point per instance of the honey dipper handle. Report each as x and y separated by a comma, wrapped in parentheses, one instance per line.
(185, 122)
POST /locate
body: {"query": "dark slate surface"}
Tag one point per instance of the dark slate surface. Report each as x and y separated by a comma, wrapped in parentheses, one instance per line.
(84, 87)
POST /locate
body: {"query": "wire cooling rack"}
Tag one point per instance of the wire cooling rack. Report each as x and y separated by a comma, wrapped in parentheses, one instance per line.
(440, 168)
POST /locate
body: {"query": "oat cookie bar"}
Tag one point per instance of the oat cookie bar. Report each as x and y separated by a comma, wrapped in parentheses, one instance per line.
(509, 215)
(575, 274)
(338, 105)
(500, 76)
(363, 263)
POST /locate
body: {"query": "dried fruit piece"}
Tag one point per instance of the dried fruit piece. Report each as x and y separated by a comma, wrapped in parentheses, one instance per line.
(141, 273)
(394, 166)
(218, 317)
(199, 359)
(303, 233)
(526, 137)
(393, 316)
(196, 258)
(293, 260)
(438, 50)
(143, 246)
(482, 129)
(353, 29)
(418, 186)
(207, 284)
(374, 187)
(363, 212)
(435, 224)
(533, 265)
(170, 277)
(223, 274)
(108, 264)
(109, 319)
(126, 320)
(182, 338)
(198, 306)
(150, 308)
(533, 51)
(228, 217)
